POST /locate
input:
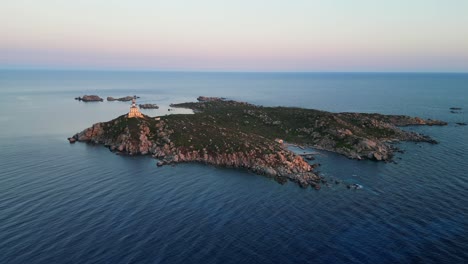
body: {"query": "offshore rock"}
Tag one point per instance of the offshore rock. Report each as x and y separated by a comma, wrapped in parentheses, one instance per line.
(89, 98)
(122, 99)
(148, 106)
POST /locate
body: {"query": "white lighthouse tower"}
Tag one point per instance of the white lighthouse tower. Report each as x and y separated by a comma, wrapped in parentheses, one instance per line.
(134, 111)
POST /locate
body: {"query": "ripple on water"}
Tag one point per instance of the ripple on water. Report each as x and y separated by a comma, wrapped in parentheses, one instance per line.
(62, 203)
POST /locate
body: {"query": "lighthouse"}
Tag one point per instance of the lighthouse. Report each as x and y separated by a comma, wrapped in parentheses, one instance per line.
(134, 111)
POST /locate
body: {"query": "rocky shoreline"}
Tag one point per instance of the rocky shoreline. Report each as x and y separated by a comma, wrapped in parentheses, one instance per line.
(241, 135)
(145, 136)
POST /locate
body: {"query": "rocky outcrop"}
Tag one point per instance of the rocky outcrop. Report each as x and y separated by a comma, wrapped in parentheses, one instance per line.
(210, 99)
(89, 98)
(148, 106)
(377, 120)
(122, 99)
(282, 165)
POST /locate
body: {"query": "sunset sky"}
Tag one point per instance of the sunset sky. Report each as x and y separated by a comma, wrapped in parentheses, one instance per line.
(238, 35)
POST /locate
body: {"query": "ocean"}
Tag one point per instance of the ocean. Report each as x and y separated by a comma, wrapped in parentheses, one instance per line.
(79, 203)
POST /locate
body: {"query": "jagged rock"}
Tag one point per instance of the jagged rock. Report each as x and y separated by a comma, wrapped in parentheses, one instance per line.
(210, 99)
(148, 106)
(377, 156)
(122, 99)
(89, 98)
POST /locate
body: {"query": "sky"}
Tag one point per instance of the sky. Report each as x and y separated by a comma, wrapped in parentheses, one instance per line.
(236, 35)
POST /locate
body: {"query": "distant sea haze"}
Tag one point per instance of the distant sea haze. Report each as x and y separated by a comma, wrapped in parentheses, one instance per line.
(79, 203)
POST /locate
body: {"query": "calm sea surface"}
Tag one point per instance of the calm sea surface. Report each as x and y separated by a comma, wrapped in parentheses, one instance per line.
(62, 203)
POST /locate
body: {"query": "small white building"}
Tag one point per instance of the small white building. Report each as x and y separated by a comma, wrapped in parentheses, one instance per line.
(280, 141)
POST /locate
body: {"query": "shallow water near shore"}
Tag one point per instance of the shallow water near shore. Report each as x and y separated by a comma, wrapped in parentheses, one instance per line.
(79, 203)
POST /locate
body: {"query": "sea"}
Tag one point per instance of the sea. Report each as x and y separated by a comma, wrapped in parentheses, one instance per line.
(81, 203)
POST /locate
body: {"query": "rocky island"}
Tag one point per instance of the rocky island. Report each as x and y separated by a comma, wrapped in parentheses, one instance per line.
(242, 135)
(89, 98)
(148, 106)
(122, 99)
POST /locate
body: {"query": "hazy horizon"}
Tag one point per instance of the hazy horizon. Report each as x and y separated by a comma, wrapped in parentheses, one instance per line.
(88, 69)
(241, 36)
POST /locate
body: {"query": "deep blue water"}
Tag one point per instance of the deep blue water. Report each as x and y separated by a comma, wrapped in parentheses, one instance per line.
(62, 203)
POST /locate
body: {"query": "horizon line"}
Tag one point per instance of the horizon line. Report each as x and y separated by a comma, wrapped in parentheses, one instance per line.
(218, 71)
